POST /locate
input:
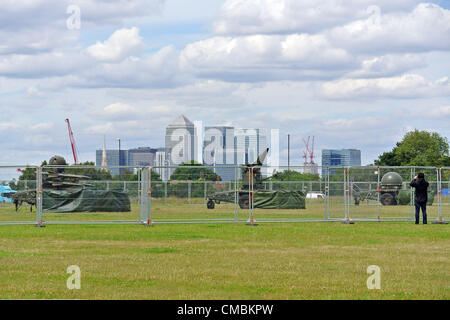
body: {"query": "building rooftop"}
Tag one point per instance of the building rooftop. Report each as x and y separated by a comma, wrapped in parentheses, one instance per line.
(181, 121)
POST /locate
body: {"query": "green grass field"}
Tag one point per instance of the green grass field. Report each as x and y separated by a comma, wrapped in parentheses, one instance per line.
(312, 260)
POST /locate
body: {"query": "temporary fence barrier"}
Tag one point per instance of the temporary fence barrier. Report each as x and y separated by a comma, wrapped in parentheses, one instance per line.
(11, 187)
(82, 194)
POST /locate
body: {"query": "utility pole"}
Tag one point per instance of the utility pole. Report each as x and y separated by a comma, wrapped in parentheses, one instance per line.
(118, 139)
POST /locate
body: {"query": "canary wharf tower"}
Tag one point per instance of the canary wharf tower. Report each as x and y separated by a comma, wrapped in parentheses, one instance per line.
(180, 141)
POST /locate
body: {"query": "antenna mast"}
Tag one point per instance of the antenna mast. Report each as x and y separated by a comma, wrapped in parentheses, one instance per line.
(72, 142)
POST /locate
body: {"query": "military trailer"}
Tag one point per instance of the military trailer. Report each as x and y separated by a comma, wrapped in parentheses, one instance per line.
(252, 183)
(390, 192)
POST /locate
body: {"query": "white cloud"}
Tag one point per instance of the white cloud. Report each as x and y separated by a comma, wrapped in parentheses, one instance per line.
(306, 67)
(294, 16)
(405, 86)
(35, 40)
(42, 127)
(106, 128)
(7, 126)
(23, 14)
(116, 111)
(42, 65)
(442, 113)
(121, 44)
(424, 29)
(264, 57)
(157, 70)
(388, 65)
(40, 25)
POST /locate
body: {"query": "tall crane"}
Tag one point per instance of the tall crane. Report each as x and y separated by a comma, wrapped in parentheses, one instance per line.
(72, 142)
(309, 152)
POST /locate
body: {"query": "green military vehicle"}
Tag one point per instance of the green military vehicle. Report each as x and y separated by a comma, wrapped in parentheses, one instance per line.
(253, 184)
(390, 192)
(64, 192)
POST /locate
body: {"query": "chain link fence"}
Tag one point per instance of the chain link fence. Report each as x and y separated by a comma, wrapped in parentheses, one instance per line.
(198, 194)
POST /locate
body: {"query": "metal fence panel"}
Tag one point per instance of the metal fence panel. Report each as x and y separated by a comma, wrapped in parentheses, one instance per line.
(184, 196)
(88, 194)
(295, 179)
(337, 192)
(196, 194)
(14, 186)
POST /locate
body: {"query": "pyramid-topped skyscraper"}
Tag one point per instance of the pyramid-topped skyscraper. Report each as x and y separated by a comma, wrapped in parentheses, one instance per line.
(180, 141)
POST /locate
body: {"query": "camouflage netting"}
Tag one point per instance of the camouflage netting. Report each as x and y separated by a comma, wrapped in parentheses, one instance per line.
(85, 201)
(404, 197)
(280, 199)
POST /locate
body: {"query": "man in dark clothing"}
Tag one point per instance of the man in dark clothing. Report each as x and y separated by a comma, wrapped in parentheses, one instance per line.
(421, 186)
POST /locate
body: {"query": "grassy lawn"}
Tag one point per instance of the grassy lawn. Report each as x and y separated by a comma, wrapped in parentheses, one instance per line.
(323, 260)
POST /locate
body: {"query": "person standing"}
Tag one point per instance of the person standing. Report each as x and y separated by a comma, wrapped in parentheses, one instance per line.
(421, 196)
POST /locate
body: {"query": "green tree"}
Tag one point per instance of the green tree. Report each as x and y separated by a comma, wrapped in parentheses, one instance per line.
(93, 173)
(290, 175)
(417, 148)
(28, 174)
(194, 172)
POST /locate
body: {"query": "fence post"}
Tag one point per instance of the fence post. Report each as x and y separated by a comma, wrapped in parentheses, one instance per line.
(378, 193)
(189, 192)
(328, 192)
(147, 191)
(347, 196)
(251, 220)
(149, 195)
(236, 195)
(204, 192)
(39, 195)
(412, 201)
(165, 192)
(143, 198)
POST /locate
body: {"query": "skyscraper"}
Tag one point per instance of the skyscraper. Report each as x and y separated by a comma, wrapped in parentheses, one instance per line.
(250, 143)
(141, 157)
(219, 150)
(343, 158)
(180, 141)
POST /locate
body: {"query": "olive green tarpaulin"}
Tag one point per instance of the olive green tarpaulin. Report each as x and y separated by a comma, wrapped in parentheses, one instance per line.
(404, 197)
(280, 199)
(85, 201)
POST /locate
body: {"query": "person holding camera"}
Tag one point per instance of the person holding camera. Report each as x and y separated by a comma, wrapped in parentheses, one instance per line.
(421, 196)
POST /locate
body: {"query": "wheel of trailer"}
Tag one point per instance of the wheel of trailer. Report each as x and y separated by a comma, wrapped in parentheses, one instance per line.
(243, 201)
(387, 199)
(210, 204)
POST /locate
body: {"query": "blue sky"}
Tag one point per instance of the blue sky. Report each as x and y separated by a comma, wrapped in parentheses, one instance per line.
(355, 74)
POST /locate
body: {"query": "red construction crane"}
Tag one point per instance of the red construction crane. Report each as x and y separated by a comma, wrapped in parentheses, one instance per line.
(309, 151)
(72, 142)
(306, 151)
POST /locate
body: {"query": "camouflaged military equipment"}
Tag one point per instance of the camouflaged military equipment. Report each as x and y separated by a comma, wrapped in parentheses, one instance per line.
(252, 182)
(25, 196)
(391, 193)
(62, 192)
(52, 179)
